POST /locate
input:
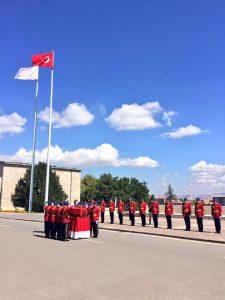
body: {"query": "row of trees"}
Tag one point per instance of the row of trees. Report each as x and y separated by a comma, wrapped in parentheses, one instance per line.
(107, 187)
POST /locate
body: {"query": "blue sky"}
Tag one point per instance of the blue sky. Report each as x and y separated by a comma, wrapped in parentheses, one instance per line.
(114, 53)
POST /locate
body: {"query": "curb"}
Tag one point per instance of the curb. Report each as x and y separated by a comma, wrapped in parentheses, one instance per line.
(133, 231)
(166, 235)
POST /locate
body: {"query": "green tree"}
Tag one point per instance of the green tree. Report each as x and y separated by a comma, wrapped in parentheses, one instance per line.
(21, 196)
(138, 190)
(107, 187)
(152, 198)
(124, 191)
(170, 193)
(88, 187)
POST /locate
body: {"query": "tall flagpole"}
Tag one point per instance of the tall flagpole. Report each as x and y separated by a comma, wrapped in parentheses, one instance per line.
(34, 148)
(49, 137)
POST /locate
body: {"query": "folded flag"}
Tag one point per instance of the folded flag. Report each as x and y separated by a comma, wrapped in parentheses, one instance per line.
(43, 60)
(27, 73)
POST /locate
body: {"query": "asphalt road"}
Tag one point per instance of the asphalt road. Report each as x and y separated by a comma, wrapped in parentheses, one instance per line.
(115, 266)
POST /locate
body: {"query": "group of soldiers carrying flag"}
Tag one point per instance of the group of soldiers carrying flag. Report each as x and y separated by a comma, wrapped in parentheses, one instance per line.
(58, 217)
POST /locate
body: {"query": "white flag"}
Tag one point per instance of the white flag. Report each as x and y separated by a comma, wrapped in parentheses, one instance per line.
(28, 73)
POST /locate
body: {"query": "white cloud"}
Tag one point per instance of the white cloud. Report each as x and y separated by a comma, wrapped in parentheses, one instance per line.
(203, 167)
(209, 177)
(167, 117)
(142, 161)
(74, 114)
(12, 124)
(135, 116)
(183, 132)
(103, 155)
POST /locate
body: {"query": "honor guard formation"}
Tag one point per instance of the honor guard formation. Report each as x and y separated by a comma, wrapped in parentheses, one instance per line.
(63, 221)
(60, 220)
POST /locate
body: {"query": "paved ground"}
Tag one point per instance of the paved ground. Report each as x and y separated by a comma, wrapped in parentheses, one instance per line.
(115, 266)
(177, 232)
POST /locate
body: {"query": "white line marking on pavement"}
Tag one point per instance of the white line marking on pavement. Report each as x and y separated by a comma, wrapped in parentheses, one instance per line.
(6, 226)
(98, 242)
(107, 230)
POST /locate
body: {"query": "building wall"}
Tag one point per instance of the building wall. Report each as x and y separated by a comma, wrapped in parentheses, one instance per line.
(1, 176)
(10, 174)
(70, 182)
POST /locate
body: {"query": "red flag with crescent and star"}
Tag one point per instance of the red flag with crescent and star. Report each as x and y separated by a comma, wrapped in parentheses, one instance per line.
(43, 60)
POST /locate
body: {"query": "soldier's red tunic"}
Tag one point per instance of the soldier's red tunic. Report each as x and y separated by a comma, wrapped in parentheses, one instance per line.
(60, 215)
(102, 206)
(55, 211)
(168, 208)
(50, 208)
(186, 209)
(65, 214)
(111, 206)
(217, 210)
(120, 207)
(53, 214)
(132, 207)
(155, 208)
(46, 214)
(95, 214)
(143, 207)
(199, 210)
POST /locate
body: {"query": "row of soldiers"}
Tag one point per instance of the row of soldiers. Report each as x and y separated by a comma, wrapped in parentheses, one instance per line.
(153, 209)
(58, 217)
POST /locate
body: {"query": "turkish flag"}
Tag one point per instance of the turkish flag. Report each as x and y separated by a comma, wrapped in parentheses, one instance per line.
(43, 60)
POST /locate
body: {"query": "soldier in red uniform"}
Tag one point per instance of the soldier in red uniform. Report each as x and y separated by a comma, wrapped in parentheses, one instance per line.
(132, 210)
(51, 225)
(47, 220)
(54, 221)
(94, 217)
(217, 213)
(111, 210)
(59, 223)
(65, 221)
(186, 211)
(102, 208)
(120, 211)
(169, 212)
(199, 213)
(143, 207)
(57, 228)
(155, 212)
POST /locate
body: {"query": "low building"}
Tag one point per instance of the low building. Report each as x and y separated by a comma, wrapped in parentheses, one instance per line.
(11, 172)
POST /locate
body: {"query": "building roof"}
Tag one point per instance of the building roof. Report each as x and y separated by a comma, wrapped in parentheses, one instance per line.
(26, 165)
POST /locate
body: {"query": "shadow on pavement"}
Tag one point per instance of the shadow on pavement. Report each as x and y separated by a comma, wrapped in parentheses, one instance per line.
(40, 236)
(43, 237)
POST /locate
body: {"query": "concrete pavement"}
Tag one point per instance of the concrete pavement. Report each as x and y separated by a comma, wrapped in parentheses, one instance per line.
(115, 266)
